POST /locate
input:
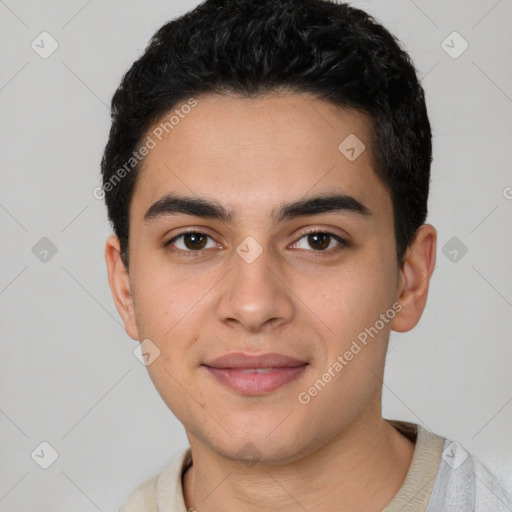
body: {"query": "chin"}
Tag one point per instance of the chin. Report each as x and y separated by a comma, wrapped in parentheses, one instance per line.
(264, 440)
(252, 451)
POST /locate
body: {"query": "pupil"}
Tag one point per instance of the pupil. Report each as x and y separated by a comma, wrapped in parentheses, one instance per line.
(195, 241)
(319, 240)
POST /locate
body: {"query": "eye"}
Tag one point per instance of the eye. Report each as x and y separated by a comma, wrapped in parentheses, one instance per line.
(319, 241)
(191, 241)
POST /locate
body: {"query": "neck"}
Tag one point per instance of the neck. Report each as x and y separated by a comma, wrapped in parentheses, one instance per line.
(361, 469)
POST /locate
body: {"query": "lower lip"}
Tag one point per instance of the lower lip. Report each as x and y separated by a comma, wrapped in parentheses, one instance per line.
(256, 383)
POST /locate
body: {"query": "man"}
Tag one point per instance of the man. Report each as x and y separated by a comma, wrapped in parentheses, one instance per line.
(267, 178)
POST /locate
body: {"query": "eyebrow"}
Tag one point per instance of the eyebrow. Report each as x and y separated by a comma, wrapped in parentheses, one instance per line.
(171, 204)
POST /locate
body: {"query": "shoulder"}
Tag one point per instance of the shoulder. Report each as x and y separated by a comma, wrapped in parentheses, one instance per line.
(163, 492)
(463, 483)
(143, 498)
(444, 476)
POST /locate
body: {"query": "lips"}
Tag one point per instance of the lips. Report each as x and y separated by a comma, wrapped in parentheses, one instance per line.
(255, 375)
(240, 360)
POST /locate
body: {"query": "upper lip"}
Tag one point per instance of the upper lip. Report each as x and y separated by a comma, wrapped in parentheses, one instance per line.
(244, 361)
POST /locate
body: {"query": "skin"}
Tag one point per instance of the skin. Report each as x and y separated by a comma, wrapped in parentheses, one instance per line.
(336, 452)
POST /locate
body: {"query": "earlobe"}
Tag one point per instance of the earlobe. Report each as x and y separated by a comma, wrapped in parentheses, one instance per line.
(119, 281)
(415, 277)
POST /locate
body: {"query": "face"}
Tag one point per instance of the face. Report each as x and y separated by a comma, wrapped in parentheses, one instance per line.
(256, 243)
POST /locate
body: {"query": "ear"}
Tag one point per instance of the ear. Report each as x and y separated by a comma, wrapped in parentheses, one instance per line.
(414, 279)
(119, 280)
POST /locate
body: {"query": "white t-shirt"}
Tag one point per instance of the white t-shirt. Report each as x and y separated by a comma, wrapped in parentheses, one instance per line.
(442, 477)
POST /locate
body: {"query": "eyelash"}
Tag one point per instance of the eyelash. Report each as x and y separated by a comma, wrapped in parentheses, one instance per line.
(194, 253)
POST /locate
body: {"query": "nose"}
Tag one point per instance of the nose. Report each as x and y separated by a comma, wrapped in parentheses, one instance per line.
(255, 295)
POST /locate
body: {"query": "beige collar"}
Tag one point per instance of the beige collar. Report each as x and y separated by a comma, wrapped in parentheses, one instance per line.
(413, 496)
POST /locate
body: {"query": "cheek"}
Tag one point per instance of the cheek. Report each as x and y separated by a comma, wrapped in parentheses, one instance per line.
(174, 386)
(169, 309)
(175, 372)
(351, 298)
(356, 349)
(163, 298)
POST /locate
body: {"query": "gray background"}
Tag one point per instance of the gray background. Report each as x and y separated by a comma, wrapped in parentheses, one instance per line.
(68, 375)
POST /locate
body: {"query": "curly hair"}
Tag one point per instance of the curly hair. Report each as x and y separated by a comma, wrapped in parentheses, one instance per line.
(250, 47)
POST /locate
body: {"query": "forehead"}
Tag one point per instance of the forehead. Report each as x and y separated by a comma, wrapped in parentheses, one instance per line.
(251, 154)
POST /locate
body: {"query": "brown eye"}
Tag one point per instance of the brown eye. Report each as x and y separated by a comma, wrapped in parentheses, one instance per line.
(319, 241)
(194, 241)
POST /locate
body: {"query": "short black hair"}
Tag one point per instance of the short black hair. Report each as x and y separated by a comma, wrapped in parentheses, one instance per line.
(251, 47)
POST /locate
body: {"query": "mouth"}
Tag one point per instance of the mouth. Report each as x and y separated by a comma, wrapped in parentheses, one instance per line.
(255, 375)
